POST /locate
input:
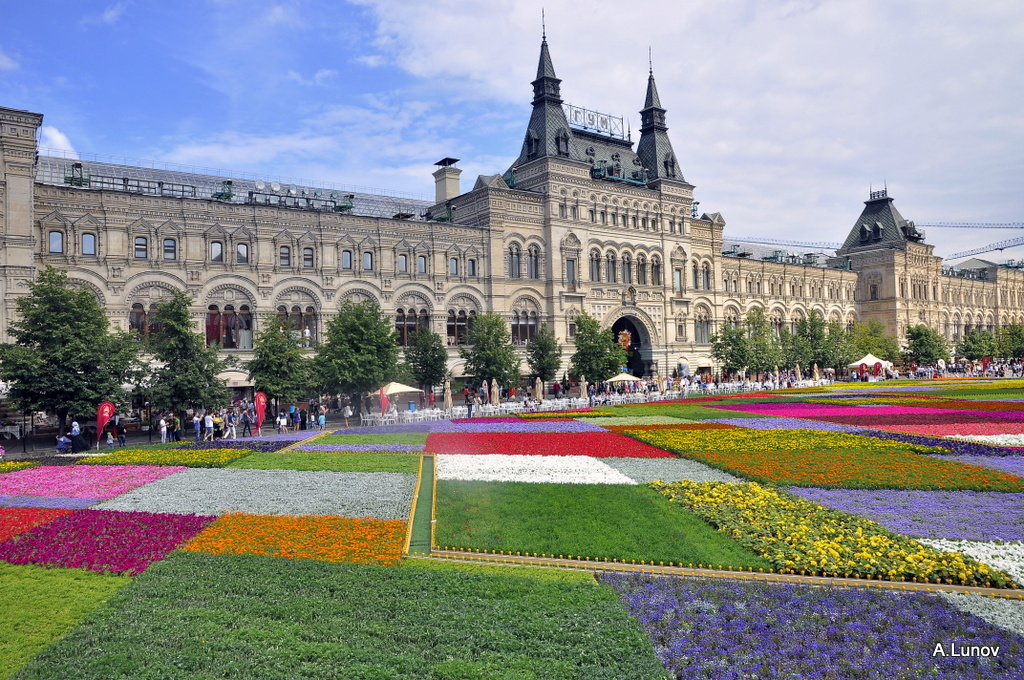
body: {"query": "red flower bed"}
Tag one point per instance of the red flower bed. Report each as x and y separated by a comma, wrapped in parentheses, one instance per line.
(14, 521)
(597, 444)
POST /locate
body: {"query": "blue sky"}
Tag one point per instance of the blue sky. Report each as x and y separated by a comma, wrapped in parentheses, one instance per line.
(782, 113)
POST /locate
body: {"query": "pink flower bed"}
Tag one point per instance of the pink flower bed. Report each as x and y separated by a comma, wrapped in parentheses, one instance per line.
(597, 444)
(103, 540)
(496, 419)
(828, 410)
(82, 481)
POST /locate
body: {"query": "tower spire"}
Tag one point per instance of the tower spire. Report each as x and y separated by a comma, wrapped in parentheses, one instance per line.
(543, 27)
(654, 147)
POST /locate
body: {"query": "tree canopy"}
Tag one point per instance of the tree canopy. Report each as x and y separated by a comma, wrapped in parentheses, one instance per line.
(925, 345)
(598, 354)
(185, 371)
(360, 352)
(279, 367)
(64, 359)
(427, 358)
(489, 353)
(976, 344)
(544, 354)
(871, 338)
(1010, 340)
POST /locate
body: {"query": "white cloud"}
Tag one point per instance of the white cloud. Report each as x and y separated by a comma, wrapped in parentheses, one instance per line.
(52, 138)
(7, 63)
(108, 17)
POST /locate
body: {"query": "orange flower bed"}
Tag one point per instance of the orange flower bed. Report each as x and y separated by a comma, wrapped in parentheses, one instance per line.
(684, 426)
(326, 538)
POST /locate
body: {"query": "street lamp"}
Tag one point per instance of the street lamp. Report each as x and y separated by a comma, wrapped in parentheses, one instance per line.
(149, 419)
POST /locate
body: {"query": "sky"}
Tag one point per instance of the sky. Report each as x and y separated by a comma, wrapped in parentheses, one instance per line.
(783, 113)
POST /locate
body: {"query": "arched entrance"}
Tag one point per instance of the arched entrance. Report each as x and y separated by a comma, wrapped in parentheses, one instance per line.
(638, 362)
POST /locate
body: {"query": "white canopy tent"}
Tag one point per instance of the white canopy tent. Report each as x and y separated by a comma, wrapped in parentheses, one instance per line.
(870, 360)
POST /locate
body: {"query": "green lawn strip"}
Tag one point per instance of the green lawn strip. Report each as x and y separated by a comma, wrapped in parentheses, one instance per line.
(399, 438)
(421, 521)
(677, 410)
(39, 605)
(245, 616)
(330, 461)
(591, 520)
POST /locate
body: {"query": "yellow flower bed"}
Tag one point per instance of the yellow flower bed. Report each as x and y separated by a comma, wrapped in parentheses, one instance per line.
(13, 466)
(755, 441)
(798, 536)
(202, 458)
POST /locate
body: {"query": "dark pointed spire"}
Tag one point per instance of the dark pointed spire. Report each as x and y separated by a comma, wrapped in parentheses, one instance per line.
(545, 69)
(652, 101)
(654, 147)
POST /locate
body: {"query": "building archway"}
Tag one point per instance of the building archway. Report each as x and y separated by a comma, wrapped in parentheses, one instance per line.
(638, 341)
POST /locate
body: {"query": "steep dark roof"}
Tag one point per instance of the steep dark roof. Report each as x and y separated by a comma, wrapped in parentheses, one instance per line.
(655, 148)
(880, 224)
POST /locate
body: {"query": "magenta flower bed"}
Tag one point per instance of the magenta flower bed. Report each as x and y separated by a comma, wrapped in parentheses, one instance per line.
(106, 541)
(496, 419)
(830, 411)
(960, 428)
(82, 481)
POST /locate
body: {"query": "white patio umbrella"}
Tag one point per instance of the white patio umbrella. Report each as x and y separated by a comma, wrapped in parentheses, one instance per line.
(817, 375)
(538, 389)
(623, 377)
(397, 388)
(495, 393)
(447, 395)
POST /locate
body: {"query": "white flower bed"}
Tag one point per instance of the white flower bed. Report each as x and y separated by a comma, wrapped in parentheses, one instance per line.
(643, 470)
(383, 495)
(1008, 614)
(537, 469)
(993, 439)
(636, 420)
(1005, 555)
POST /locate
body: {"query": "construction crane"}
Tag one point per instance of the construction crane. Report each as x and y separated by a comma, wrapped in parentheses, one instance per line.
(776, 242)
(999, 245)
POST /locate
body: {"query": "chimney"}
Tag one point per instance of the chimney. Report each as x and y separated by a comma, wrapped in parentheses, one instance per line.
(446, 180)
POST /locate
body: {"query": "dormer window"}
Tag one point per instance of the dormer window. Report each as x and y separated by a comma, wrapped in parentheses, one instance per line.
(562, 143)
(532, 144)
(670, 166)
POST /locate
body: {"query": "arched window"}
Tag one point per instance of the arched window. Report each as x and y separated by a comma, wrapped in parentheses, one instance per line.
(641, 270)
(242, 253)
(702, 327)
(346, 259)
(706, 278)
(88, 244)
(170, 249)
(137, 321)
(656, 272)
(141, 247)
(405, 325)
(421, 264)
(301, 324)
(154, 325)
(368, 261)
(307, 258)
(696, 277)
(533, 263)
(471, 267)
(513, 262)
(213, 327)
(216, 251)
(243, 322)
(230, 328)
(403, 263)
(595, 266)
(610, 269)
(453, 266)
(286, 256)
(56, 241)
(627, 269)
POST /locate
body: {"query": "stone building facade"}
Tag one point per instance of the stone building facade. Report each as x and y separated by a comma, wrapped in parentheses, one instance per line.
(581, 222)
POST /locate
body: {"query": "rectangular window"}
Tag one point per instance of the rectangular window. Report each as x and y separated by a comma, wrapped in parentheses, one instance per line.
(470, 267)
(346, 259)
(592, 218)
(170, 249)
(561, 210)
(575, 213)
(88, 244)
(403, 263)
(216, 251)
(615, 219)
(141, 248)
(367, 261)
(307, 257)
(572, 330)
(286, 256)
(677, 280)
(453, 266)
(242, 256)
(56, 241)
(570, 271)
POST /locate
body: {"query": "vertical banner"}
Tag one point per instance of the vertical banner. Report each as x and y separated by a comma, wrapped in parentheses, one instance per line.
(383, 401)
(985, 361)
(863, 370)
(261, 408)
(103, 415)
(878, 368)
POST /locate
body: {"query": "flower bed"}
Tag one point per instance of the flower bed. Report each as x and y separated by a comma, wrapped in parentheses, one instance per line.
(598, 444)
(764, 456)
(707, 629)
(325, 538)
(61, 502)
(575, 413)
(1006, 556)
(1013, 465)
(703, 425)
(636, 420)
(643, 470)
(952, 446)
(787, 424)
(966, 515)
(103, 541)
(193, 458)
(361, 448)
(381, 495)
(402, 428)
(798, 536)
(331, 462)
(14, 466)
(1006, 439)
(374, 438)
(554, 425)
(76, 481)
(552, 469)
(14, 521)
(261, 445)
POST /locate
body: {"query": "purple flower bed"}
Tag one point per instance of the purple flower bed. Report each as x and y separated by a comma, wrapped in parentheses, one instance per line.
(517, 426)
(495, 419)
(381, 448)
(955, 447)
(103, 540)
(705, 629)
(66, 502)
(1014, 465)
(786, 424)
(427, 426)
(259, 445)
(967, 515)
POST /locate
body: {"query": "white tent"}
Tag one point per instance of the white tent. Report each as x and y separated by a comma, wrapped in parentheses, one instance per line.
(623, 377)
(870, 360)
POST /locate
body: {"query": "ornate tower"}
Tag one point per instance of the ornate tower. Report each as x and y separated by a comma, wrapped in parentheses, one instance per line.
(654, 148)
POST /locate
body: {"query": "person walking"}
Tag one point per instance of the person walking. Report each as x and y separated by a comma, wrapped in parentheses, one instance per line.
(208, 422)
(163, 430)
(197, 423)
(246, 422)
(321, 421)
(231, 433)
(470, 401)
(345, 412)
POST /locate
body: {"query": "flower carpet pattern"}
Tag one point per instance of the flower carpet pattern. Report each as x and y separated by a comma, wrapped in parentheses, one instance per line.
(76, 481)
(546, 469)
(599, 444)
(381, 495)
(186, 457)
(103, 541)
(330, 539)
(14, 521)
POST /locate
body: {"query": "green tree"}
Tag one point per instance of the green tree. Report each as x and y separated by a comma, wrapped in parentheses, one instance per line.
(1010, 339)
(794, 349)
(185, 373)
(544, 354)
(925, 345)
(730, 348)
(837, 348)
(64, 359)
(977, 343)
(598, 354)
(765, 352)
(279, 367)
(813, 332)
(489, 353)
(361, 351)
(871, 338)
(427, 358)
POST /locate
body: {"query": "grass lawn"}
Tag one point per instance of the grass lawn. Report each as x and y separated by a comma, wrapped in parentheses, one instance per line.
(398, 438)
(621, 522)
(331, 462)
(39, 605)
(244, 616)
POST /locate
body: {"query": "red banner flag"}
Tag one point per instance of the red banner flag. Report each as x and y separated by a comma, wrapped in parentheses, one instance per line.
(863, 370)
(383, 401)
(103, 415)
(878, 368)
(261, 409)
